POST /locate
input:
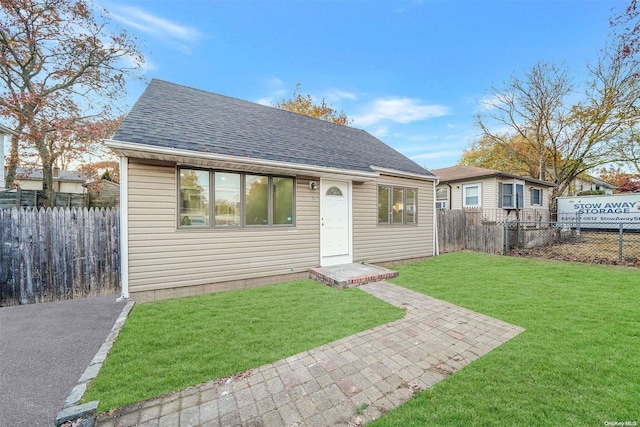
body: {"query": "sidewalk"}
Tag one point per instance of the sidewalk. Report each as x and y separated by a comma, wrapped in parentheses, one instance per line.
(347, 382)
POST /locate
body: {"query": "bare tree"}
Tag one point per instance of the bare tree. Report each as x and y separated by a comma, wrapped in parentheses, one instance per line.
(571, 132)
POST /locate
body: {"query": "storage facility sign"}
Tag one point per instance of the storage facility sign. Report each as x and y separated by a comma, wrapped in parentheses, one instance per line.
(600, 211)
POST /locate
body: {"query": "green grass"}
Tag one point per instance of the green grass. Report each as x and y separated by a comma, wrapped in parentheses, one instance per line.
(169, 345)
(577, 363)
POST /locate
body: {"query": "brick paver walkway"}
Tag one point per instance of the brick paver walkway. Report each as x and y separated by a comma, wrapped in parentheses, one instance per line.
(347, 382)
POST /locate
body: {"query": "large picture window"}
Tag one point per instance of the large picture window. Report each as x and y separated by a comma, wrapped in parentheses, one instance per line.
(397, 205)
(239, 200)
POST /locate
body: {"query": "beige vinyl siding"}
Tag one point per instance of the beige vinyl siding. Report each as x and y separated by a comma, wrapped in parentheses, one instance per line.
(489, 197)
(391, 242)
(161, 256)
(71, 187)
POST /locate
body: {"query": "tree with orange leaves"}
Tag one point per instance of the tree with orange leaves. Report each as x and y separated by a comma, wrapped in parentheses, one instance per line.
(303, 104)
(61, 71)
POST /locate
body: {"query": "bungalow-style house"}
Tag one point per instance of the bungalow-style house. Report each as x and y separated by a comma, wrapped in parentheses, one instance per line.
(219, 193)
(497, 195)
(63, 181)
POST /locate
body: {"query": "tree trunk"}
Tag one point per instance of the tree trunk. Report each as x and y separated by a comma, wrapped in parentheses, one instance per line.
(47, 185)
(14, 159)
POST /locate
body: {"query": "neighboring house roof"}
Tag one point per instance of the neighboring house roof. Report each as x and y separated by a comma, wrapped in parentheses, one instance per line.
(32, 174)
(465, 173)
(598, 181)
(172, 116)
(6, 130)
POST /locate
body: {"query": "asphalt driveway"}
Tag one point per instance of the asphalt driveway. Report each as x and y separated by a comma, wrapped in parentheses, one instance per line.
(44, 349)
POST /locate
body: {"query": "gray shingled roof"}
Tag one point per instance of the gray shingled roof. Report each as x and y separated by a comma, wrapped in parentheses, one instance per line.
(34, 174)
(172, 116)
(464, 172)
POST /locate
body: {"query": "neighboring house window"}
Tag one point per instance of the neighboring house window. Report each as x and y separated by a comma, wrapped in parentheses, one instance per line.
(397, 205)
(471, 194)
(238, 199)
(442, 198)
(536, 196)
(511, 196)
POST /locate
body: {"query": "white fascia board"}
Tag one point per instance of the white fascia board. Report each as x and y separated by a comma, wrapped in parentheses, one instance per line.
(123, 146)
(403, 174)
(124, 227)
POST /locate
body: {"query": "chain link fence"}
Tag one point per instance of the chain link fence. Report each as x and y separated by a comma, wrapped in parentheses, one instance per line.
(592, 242)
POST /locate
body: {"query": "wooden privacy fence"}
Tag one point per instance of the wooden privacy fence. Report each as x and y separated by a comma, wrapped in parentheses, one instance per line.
(460, 229)
(57, 254)
(31, 198)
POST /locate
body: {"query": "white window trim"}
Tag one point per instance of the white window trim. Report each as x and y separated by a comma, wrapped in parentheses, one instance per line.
(514, 194)
(464, 195)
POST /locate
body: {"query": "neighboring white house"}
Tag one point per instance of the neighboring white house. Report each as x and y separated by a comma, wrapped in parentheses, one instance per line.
(589, 183)
(63, 181)
(3, 131)
(498, 195)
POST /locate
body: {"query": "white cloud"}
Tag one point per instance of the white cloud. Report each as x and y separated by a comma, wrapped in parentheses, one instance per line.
(337, 95)
(379, 131)
(399, 110)
(437, 154)
(490, 103)
(265, 101)
(274, 82)
(181, 36)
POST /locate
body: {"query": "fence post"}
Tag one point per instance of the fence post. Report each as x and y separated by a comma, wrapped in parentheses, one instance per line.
(620, 244)
(506, 236)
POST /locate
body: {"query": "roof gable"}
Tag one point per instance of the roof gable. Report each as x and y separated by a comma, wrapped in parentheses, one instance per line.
(173, 116)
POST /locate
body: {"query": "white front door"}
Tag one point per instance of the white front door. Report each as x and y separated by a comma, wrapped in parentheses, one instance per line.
(335, 222)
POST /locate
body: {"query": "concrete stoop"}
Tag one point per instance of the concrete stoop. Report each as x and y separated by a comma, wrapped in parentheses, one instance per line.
(350, 275)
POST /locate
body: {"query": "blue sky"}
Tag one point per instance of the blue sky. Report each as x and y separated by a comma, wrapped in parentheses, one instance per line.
(413, 73)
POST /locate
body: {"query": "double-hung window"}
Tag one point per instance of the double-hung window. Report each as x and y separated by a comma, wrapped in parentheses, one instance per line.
(442, 198)
(472, 195)
(536, 197)
(511, 195)
(237, 199)
(397, 205)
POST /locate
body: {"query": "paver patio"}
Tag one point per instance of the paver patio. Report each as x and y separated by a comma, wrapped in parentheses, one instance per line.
(347, 382)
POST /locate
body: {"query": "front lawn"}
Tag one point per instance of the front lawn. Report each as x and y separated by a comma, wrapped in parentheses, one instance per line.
(576, 364)
(169, 345)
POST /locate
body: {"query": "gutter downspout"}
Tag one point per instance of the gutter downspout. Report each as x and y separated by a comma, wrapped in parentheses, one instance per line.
(2, 182)
(436, 248)
(124, 228)
(450, 194)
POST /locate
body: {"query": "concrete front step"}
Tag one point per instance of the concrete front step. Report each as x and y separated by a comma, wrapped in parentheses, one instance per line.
(350, 275)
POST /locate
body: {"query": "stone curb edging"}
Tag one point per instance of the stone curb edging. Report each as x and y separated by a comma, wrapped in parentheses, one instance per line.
(72, 410)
